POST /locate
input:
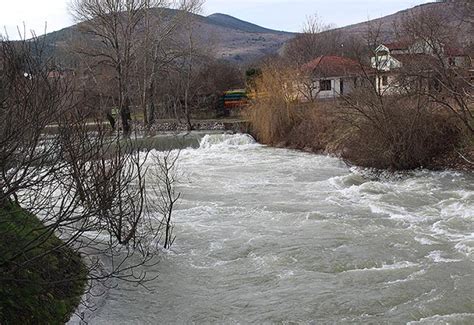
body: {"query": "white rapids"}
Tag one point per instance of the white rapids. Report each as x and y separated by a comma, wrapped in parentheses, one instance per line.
(270, 235)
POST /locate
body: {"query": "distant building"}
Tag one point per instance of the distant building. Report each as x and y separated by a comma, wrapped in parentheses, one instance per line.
(395, 68)
(418, 56)
(61, 73)
(329, 77)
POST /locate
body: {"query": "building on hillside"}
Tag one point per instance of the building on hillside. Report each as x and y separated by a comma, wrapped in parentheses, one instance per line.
(395, 68)
(457, 57)
(329, 77)
(417, 57)
(61, 73)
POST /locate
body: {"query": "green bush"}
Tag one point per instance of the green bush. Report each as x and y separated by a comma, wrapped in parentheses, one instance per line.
(43, 290)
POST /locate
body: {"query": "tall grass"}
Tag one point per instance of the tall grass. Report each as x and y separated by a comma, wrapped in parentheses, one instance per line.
(271, 112)
(394, 132)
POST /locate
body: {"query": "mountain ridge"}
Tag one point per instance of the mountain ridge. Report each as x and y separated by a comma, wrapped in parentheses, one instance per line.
(235, 40)
(242, 25)
(232, 39)
(448, 9)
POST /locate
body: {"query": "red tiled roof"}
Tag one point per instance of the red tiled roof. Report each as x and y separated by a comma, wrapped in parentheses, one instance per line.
(416, 59)
(333, 66)
(403, 44)
(454, 51)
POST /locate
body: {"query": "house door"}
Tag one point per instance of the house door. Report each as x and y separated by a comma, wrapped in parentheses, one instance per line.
(341, 85)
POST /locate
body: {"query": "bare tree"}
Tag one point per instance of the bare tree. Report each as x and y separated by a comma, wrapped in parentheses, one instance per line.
(464, 9)
(117, 25)
(447, 75)
(399, 111)
(165, 178)
(185, 73)
(136, 40)
(30, 101)
(86, 186)
(160, 49)
(317, 38)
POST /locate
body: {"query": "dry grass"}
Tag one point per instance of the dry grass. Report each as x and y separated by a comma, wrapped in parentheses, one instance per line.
(309, 127)
(369, 130)
(278, 118)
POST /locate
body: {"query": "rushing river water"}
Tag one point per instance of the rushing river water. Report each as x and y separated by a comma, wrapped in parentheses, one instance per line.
(277, 236)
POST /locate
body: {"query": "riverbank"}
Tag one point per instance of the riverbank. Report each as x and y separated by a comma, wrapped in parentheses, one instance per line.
(454, 160)
(428, 139)
(36, 289)
(318, 132)
(171, 125)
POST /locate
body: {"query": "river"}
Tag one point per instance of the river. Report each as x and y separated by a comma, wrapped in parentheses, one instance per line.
(269, 235)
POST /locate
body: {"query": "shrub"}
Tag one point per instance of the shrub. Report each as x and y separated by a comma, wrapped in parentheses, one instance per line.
(45, 290)
(278, 118)
(271, 113)
(397, 132)
(400, 136)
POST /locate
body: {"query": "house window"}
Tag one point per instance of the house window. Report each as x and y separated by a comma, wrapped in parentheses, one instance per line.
(384, 81)
(325, 85)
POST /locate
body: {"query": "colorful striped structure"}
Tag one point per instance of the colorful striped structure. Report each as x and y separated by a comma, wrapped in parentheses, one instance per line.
(235, 98)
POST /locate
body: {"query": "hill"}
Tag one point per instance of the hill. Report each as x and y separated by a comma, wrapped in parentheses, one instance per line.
(450, 10)
(225, 36)
(237, 24)
(242, 42)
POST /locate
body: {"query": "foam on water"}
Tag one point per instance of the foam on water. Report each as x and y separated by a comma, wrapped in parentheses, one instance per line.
(437, 257)
(270, 235)
(226, 141)
(425, 241)
(386, 267)
(461, 318)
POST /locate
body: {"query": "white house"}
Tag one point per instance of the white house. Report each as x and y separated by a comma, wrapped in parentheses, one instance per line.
(329, 77)
(390, 58)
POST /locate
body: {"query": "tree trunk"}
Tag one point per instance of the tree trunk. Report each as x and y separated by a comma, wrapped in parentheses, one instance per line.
(151, 114)
(125, 115)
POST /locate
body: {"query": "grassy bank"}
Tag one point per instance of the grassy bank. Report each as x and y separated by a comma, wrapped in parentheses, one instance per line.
(36, 289)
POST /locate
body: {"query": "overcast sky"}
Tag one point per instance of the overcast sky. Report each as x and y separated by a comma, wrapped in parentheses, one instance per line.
(286, 15)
